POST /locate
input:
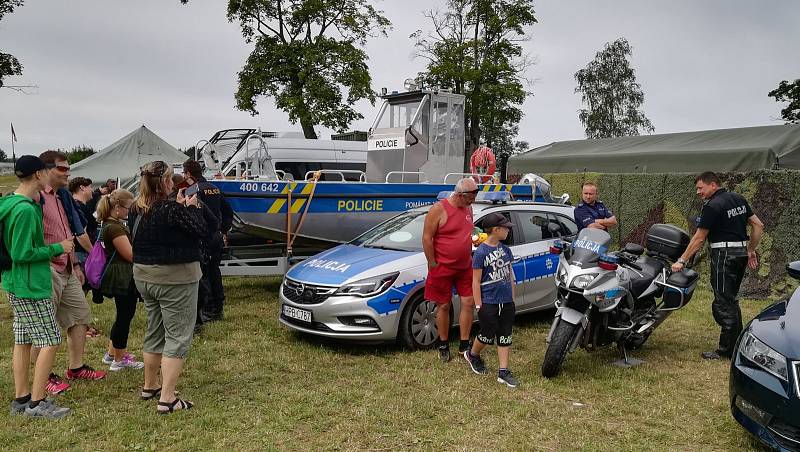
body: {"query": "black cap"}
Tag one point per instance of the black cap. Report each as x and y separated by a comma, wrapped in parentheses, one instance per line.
(27, 165)
(496, 219)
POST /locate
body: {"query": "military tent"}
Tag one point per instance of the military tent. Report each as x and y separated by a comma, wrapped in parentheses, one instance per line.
(742, 149)
(123, 158)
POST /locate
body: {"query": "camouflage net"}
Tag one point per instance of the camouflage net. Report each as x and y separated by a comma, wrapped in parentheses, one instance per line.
(641, 200)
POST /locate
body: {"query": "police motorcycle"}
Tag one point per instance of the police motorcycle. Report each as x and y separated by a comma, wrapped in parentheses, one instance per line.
(615, 297)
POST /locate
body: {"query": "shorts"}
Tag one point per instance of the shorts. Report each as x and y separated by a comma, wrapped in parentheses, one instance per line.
(69, 300)
(441, 281)
(497, 321)
(34, 322)
(171, 314)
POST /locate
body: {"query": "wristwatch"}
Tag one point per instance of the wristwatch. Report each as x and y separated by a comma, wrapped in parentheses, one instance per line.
(681, 261)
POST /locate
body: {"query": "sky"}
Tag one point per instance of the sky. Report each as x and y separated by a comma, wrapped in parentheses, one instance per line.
(105, 67)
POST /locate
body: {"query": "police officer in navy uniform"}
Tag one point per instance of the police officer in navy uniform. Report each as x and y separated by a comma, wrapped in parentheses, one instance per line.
(723, 221)
(212, 197)
(592, 213)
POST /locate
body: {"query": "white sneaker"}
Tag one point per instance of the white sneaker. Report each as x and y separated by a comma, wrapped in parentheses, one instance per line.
(107, 358)
(128, 362)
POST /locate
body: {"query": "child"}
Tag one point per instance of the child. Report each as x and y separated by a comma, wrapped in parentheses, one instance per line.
(493, 289)
(26, 280)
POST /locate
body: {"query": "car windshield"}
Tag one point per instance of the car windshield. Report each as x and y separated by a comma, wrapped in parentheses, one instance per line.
(590, 244)
(402, 233)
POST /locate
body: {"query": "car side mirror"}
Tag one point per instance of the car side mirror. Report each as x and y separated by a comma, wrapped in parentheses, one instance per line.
(554, 229)
(793, 269)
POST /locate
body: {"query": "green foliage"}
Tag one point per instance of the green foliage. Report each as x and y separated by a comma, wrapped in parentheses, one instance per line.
(640, 200)
(788, 92)
(475, 50)
(9, 65)
(306, 53)
(608, 87)
(79, 153)
(3, 156)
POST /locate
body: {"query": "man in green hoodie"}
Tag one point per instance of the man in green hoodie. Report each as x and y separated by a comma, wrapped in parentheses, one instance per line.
(26, 279)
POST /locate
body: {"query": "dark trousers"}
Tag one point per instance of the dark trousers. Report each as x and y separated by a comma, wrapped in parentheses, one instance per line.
(211, 274)
(727, 270)
(126, 308)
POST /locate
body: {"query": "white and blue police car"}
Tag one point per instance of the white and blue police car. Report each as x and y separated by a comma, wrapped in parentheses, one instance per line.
(371, 289)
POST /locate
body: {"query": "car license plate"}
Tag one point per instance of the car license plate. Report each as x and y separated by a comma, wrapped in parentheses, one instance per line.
(299, 314)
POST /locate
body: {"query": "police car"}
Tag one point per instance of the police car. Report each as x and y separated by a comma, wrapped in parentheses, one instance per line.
(371, 289)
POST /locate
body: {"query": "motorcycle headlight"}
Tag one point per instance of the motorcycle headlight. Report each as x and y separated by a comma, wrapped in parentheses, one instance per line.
(583, 281)
(368, 287)
(764, 356)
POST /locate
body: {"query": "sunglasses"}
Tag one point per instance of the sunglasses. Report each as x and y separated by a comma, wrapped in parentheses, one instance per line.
(471, 192)
(59, 168)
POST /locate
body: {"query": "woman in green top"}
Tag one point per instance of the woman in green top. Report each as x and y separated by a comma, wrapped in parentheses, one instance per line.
(118, 276)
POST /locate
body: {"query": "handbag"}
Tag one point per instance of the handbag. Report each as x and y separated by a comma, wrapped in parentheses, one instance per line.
(118, 274)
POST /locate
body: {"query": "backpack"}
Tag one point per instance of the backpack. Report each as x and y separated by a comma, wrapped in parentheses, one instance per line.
(96, 262)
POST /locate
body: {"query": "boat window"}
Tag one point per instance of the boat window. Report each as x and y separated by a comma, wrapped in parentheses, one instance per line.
(398, 115)
(299, 169)
(403, 232)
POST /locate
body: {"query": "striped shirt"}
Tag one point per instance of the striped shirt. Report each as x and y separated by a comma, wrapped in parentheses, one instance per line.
(56, 228)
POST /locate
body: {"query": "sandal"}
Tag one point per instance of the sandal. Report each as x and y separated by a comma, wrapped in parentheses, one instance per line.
(176, 405)
(149, 394)
(92, 332)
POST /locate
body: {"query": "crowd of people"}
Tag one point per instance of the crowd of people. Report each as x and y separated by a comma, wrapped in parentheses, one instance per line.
(161, 247)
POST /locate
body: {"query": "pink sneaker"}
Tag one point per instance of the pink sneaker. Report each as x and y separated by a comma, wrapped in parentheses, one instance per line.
(128, 362)
(55, 385)
(85, 373)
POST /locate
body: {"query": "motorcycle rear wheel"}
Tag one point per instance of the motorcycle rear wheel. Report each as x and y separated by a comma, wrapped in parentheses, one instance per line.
(557, 350)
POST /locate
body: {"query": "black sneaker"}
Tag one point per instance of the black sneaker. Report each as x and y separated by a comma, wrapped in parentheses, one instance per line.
(444, 354)
(475, 363)
(508, 379)
(464, 346)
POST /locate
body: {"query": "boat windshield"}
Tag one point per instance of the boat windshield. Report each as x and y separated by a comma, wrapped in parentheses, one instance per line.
(397, 115)
(401, 233)
(589, 246)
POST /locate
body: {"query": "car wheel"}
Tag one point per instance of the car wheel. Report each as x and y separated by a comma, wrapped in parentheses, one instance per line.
(418, 324)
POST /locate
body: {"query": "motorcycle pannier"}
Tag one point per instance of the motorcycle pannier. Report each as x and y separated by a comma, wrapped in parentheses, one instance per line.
(679, 288)
(667, 240)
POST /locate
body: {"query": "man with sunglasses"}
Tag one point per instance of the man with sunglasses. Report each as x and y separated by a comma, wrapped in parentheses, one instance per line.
(62, 221)
(447, 243)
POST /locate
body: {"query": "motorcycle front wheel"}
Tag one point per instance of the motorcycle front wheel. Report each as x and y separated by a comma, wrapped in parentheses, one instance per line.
(557, 349)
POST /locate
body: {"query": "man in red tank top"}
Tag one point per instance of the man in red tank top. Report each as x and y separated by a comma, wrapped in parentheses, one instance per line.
(447, 243)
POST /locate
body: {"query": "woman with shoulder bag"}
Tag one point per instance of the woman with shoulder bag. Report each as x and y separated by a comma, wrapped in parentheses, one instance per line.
(117, 281)
(166, 269)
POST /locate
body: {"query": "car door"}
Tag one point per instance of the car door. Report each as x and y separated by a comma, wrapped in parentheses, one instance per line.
(536, 236)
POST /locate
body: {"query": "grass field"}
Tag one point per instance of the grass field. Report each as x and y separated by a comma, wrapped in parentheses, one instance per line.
(257, 385)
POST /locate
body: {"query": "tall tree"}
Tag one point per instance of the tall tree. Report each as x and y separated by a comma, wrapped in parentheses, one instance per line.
(613, 98)
(788, 92)
(9, 65)
(307, 52)
(79, 153)
(475, 49)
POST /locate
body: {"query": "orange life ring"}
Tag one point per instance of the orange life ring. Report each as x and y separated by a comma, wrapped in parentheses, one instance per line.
(483, 161)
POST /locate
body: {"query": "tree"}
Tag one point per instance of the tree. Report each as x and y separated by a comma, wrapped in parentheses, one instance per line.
(188, 152)
(306, 53)
(475, 49)
(788, 92)
(3, 156)
(9, 65)
(608, 87)
(79, 153)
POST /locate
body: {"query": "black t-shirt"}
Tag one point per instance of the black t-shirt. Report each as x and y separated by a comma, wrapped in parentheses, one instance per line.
(725, 216)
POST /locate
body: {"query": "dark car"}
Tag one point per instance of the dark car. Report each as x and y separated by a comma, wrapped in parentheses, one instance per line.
(765, 373)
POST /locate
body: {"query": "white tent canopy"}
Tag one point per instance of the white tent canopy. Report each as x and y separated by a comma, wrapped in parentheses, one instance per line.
(124, 158)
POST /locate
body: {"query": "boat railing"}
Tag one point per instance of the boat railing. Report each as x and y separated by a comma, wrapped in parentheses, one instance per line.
(421, 177)
(476, 176)
(283, 175)
(362, 176)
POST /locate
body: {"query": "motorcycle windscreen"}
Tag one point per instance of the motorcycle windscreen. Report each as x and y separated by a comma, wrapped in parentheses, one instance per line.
(589, 246)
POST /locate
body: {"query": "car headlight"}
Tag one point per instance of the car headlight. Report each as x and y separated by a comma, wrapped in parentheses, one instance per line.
(764, 356)
(583, 281)
(368, 287)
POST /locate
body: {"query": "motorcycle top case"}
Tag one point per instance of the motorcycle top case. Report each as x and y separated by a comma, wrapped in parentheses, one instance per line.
(685, 282)
(667, 240)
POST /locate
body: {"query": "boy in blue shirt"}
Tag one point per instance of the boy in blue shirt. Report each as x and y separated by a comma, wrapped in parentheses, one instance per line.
(493, 289)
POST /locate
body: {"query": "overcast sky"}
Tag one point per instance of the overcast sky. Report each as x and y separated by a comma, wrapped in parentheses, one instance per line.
(105, 67)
